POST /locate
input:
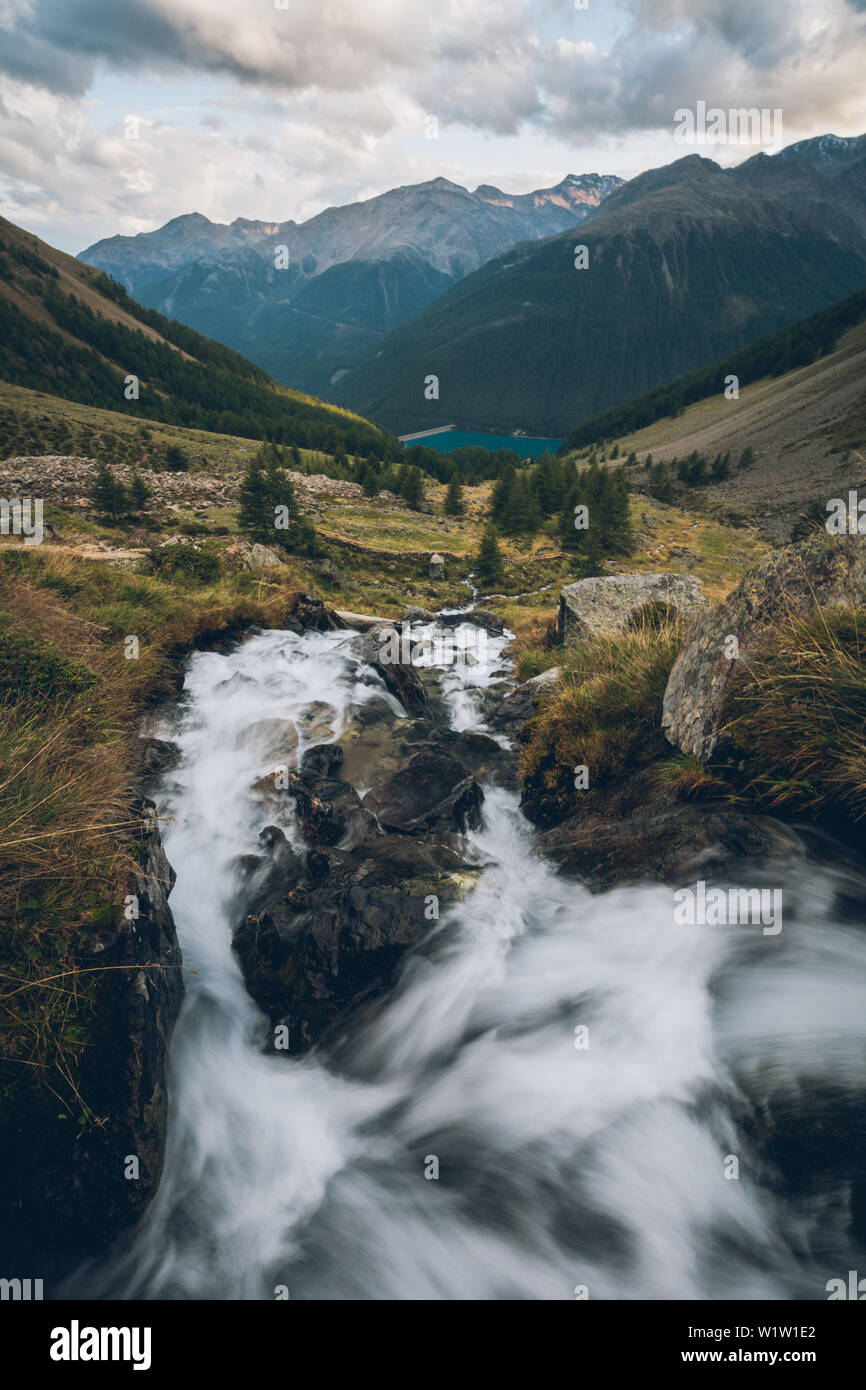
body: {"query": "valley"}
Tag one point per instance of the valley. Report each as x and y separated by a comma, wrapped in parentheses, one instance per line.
(433, 688)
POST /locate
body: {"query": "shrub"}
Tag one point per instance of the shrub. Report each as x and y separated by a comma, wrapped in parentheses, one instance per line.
(179, 563)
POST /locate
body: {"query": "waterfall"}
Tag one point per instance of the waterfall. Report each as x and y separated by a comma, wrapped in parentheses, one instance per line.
(576, 1068)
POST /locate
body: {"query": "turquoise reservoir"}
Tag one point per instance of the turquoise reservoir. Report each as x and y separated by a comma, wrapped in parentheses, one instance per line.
(446, 440)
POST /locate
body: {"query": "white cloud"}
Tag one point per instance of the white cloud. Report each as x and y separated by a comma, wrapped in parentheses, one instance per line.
(316, 104)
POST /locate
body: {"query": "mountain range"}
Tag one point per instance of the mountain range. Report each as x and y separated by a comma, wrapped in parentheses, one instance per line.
(308, 301)
(685, 265)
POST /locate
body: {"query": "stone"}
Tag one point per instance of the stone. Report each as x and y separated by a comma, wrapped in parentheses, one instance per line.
(361, 622)
(823, 571)
(605, 604)
(414, 614)
(431, 792)
(329, 810)
(335, 941)
(261, 557)
(316, 721)
(490, 621)
(323, 760)
(437, 567)
(515, 711)
(275, 739)
(400, 677)
(634, 832)
(158, 756)
(312, 614)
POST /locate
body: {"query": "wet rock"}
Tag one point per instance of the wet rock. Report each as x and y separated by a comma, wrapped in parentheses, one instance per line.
(316, 720)
(431, 792)
(234, 683)
(329, 810)
(632, 833)
(606, 603)
(262, 877)
(825, 571)
(510, 716)
(486, 618)
(325, 760)
(271, 738)
(338, 941)
(378, 647)
(158, 756)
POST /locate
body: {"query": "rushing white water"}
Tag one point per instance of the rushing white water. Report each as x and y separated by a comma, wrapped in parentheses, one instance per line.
(559, 1166)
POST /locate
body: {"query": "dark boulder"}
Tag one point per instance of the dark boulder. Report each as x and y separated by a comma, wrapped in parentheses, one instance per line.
(158, 756)
(311, 613)
(510, 715)
(432, 792)
(338, 939)
(632, 832)
(379, 648)
(328, 810)
(324, 760)
(262, 877)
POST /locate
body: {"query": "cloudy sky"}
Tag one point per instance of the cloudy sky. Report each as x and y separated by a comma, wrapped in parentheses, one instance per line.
(279, 108)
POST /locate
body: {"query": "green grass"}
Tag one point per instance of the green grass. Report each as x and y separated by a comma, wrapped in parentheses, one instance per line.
(798, 718)
(37, 674)
(604, 713)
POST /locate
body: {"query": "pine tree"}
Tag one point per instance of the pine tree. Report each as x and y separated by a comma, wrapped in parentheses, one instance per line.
(269, 510)
(139, 493)
(453, 504)
(500, 496)
(254, 519)
(176, 459)
(587, 563)
(488, 562)
(412, 489)
(108, 494)
(523, 515)
(546, 479)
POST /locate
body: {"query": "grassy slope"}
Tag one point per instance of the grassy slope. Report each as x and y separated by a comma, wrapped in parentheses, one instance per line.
(807, 429)
(32, 272)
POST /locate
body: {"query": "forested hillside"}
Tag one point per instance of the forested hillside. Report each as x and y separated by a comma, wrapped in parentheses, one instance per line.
(70, 328)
